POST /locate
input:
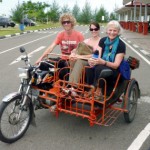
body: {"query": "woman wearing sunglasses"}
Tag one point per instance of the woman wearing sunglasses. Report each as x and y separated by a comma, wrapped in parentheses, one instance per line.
(79, 63)
(112, 53)
(67, 39)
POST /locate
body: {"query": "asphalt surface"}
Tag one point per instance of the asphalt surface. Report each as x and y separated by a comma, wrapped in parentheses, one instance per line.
(70, 132)
(139, 41)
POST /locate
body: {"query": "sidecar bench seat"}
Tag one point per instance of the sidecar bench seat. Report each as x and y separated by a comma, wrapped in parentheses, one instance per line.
(106, 73)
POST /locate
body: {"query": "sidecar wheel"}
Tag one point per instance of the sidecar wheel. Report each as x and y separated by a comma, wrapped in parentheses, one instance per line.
(12, 128)
(133, 96)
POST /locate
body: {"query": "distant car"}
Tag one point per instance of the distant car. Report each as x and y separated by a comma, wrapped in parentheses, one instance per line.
(5, 22)
(28, 22)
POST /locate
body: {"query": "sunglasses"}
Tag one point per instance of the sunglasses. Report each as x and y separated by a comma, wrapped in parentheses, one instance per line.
(95, 29)
(66, 22)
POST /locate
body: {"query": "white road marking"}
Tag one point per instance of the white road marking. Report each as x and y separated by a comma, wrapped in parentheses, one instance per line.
(145, 52)
(143, 135)
(43, 32)
(26, 43)
(145, 99)
(138, 142)
(17, 60)
(30, 55)
(129, 41)
(38, 49)
(147, 61)
(136, 46)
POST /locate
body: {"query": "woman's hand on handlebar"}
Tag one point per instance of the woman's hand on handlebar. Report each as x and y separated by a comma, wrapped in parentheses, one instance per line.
(39, 60)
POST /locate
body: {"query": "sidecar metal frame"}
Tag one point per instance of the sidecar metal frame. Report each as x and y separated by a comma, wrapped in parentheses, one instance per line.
(101, 112)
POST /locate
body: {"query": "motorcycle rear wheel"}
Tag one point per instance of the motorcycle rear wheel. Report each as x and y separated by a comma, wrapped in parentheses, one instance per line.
(12, 128)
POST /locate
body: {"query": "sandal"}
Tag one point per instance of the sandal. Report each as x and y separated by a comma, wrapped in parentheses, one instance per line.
(98, 94)
(98, 98)
(89, 93)
(70, 91)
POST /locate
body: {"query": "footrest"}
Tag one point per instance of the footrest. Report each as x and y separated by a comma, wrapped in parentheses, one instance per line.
(109, 117)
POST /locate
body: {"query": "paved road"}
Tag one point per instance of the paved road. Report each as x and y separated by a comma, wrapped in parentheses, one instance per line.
(69, 132)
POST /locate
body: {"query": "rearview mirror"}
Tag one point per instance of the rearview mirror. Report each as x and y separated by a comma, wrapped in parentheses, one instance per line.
(22, 49)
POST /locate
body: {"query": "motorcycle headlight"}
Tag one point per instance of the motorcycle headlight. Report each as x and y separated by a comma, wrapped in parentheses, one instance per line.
(23, 73)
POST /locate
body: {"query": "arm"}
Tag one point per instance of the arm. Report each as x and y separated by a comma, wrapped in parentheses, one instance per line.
(47, 51)
(119, 57)
(51, 47)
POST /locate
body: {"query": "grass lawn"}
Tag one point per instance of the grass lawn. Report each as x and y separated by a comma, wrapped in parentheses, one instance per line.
(16, 29)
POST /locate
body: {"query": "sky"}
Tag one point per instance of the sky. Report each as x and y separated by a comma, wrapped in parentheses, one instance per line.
(7, 5)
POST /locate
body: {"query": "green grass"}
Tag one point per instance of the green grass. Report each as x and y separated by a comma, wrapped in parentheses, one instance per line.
(11, 30)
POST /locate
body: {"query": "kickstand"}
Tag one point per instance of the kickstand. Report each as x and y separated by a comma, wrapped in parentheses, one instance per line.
(33, 123)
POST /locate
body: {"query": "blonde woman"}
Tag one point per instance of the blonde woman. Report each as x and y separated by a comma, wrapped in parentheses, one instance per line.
(68, 40)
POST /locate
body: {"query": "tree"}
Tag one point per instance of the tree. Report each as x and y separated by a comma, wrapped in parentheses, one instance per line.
(94, 14)
(102, 12)
(86, 15)
(76, 11)
(112, 16)
(29, 10)
(35, 10)
(17, 13)
(65, 9)
(54, 13)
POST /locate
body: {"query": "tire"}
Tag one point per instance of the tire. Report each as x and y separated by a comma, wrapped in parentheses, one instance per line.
(133, 95)
(12, 25)
(12, 129)
(5, 26)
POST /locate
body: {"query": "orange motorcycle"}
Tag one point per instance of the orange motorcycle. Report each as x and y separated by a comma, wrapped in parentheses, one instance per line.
(41, 88)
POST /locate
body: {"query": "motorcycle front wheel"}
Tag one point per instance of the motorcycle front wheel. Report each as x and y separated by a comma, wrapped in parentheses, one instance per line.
(14, 119)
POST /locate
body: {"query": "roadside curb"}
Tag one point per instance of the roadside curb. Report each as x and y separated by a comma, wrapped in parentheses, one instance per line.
(29, 31)
(25, 32)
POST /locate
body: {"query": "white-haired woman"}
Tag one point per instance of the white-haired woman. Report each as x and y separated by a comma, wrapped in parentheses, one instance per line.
(112, 53)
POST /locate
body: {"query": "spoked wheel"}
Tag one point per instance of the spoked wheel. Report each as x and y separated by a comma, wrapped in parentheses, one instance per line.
(133, 95)
(14, 119)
